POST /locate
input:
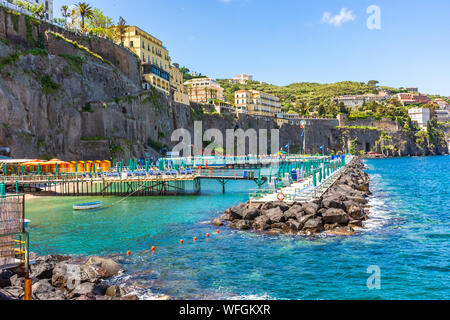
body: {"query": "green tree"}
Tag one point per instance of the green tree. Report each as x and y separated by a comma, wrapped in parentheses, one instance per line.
(85, 10)
(121, 29)
(100, 24)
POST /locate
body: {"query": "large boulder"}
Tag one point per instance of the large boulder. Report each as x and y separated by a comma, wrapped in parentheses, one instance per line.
(68, 276)
(43, 267)
(355, 212)
(250, 214)
(43, 290)
(261, 223)
(275, 215)
(107, 267)
(332, 201)
(302, 221)
(294, 225)
(237, 212)
(310, 208)
(314, 225)
(115, 291)
(243, 225)
(294, 212)
(358, 199)
(335, 216)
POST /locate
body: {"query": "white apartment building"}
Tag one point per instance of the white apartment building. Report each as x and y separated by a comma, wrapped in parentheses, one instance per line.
(203, 90)
(421, 116)
(242, 78)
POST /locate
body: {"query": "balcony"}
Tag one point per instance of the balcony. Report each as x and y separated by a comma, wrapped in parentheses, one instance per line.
(150, 68)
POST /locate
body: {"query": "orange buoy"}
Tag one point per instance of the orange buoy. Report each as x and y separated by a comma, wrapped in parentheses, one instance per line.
(218, 231)
(207, 235)
(195, 238)
(153, 249)
(181, 241)
(128, 252)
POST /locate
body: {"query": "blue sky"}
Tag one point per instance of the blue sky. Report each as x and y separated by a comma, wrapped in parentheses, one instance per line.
(288, 41)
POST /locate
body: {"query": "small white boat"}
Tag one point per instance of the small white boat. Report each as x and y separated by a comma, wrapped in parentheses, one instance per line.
(26, 222)
(88, 206)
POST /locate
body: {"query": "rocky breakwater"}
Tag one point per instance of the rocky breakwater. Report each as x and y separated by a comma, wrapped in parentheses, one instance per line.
(341, 210)
(64, 278)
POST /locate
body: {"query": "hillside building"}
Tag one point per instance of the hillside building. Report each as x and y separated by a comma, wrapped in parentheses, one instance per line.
(257, 103)
(154, 57)
(421, 116)
(204, 90)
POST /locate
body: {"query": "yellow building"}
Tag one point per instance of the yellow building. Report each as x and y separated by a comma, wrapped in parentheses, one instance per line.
(154, 57)
(179, 90)
(203, 90)
(257, 103)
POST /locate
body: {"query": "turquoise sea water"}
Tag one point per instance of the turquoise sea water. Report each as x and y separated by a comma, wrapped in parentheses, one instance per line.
(407, 238)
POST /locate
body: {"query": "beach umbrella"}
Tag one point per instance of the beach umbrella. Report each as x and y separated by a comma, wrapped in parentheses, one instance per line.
(23, 172)
(5, 169)
(39, 168)
(56, 168)
(85, 166)
(2, 189)
(314, 179)
(17, 186)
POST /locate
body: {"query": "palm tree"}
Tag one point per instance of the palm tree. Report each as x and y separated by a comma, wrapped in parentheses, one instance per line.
(85, 11)
(65, 12)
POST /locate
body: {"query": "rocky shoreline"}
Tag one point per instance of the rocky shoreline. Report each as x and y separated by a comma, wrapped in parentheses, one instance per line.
(56, 277)
(341, 210)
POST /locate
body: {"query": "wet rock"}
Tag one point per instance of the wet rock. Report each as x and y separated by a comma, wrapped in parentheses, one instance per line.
(355, 212)
(303, 220)
(360, 200)
(225, 217)
(107, 267)
(333, 226)
(217, 223)
(314, 225)
(250, 214)
(115, 291)
(280, 225)
(356, 224)
(237, 212)
(335, 216)
(342, 231)
(294, 226)
(243, 225)
(275, 215)
(261, 223)
(294, 212)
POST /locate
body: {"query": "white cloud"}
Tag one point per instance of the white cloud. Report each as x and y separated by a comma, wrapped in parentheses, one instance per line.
(338, 20)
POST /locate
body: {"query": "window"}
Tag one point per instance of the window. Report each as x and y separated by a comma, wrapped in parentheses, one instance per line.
(131, 44)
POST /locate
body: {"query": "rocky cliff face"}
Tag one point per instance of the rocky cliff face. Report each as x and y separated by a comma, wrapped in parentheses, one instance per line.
(75, 98)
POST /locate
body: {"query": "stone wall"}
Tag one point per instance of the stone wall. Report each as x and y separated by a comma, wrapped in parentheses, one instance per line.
(385, 124)
(25, 31)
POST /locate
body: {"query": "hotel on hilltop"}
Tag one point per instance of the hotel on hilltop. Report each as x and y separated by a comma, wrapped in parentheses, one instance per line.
(257, 103)
(156, 63)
